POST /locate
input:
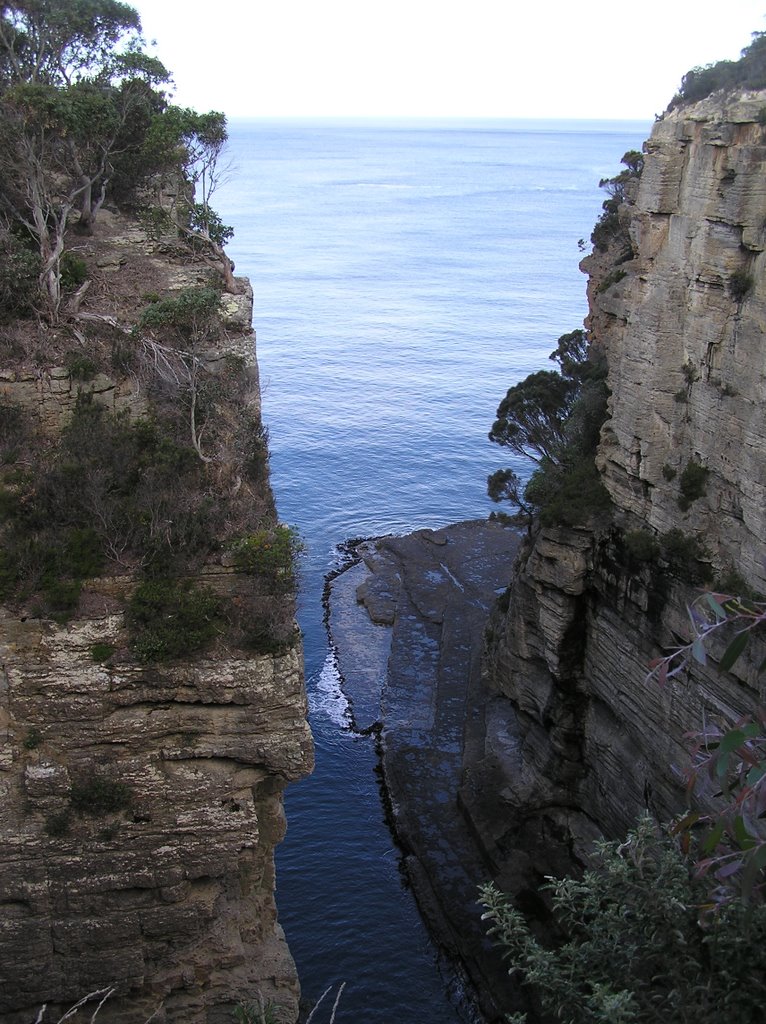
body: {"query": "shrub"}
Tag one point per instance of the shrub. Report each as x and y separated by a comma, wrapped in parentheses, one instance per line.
(189, 312)
(33, 739)
(19, 277)
(169, 618)
(13, 431)
(668, 472)
(692, 484)
(100, 795)
(635, 951)
(684, 554)
(81, 367)
(101, 652)
(269, 554)
(740, 284)
(74, 271)
(57, 824)
(641, 546)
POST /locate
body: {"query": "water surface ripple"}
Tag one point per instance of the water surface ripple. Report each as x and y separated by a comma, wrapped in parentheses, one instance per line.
(405, 276)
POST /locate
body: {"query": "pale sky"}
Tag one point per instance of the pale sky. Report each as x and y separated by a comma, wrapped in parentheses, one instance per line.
(440, 58)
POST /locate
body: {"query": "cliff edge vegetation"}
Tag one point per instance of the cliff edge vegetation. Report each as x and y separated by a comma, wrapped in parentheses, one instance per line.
(152, 705)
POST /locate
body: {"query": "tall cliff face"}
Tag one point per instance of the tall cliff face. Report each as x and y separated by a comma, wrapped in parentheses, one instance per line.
(578, 743)
(142, 796)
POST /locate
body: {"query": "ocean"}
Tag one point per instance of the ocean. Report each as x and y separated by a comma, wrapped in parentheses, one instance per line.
(406, 274)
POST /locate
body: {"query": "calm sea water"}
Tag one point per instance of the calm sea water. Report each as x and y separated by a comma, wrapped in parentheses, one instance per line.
(405, 275)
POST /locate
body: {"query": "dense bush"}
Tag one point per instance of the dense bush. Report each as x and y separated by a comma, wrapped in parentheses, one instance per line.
(692, 483)
(169, 618)
(685, 556)
(100, 795)
(641, 546)
(19, 274)
(554, 419)
(270, 554)
(749, 72)
(740, 284)
(634, 949)
(609, 229)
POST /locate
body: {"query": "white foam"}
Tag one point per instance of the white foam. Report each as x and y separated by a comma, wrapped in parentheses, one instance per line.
(326, 696)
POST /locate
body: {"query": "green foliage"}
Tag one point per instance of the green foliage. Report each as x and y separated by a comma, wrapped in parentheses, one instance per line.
(740, 284)
(554, 419)
(156, 222)
(668, 472)
(100, 795)
(685, 555)
(569, 494)
(114, 489)
(205, 221)
(74, 271)
(57, 824)
(19, 276)
(609, 230)
(634, 949)
(169, 618)
(191, 313)
(264, 1011)
(749, 72)
(530, 419)
(101, 652)
(33, 739)
(641, 546)
(269, 553)
(81, 367)
(692, 484)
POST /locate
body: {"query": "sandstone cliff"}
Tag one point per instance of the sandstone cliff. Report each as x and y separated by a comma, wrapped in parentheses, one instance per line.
(576, 742)
(142, 795)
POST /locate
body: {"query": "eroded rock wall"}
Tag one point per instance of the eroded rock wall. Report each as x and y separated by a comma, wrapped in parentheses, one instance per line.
(142, 803)
(578, 742)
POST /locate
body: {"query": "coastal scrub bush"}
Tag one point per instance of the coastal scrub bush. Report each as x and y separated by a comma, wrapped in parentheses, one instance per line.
(101, 652)
(100, 795)
(635, 950)
(19, 273)
(641, 546)
(609, 229)
(685, 555)
(749, 72)
(169, 618)
(554, 418)
(740, 284)
(692, 483)
(269, 553)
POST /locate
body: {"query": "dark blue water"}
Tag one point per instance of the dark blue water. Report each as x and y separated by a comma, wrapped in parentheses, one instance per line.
(405, 276)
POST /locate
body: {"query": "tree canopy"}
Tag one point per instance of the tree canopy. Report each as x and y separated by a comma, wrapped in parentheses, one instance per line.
(553, 419)
(82, 107)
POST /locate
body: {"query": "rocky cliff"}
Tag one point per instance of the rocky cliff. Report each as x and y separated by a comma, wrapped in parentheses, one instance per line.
(142, 783)
(576, 741)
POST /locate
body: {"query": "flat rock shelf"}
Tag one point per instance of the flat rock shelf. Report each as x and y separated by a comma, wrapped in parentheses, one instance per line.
(407, 621)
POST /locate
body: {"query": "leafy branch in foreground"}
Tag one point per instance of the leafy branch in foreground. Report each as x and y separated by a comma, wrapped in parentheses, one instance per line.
(635, 950)
(729, 763)
(710, 614)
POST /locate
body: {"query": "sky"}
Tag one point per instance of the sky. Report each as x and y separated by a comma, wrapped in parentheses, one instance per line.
(440, 58)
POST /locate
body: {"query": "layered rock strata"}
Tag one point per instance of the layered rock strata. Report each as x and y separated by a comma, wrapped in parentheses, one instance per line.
(579, 742)
(142, 802)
